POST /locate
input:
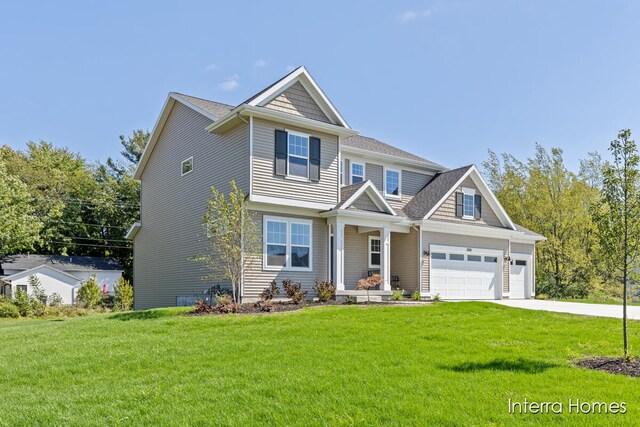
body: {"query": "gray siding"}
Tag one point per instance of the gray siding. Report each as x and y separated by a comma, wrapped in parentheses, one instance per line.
(172, 205)
(297, 101)
(447, 211)
(356, 251)
(404, 259)
(266, 183)
(430, 238)
(374, 172)
(256, 279)
(523, 248)
(413, 182)
(364, 203)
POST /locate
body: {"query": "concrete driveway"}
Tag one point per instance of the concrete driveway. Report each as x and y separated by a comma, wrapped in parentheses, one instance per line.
(600, 310)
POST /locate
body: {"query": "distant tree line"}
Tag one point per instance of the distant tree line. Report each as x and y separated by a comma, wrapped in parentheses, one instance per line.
(53, 201)
(574, 211)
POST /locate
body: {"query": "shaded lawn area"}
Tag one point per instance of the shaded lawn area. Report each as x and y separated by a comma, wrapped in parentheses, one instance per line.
(597, 301)
(444, 364)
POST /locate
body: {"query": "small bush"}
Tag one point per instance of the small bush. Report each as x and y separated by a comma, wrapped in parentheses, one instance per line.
(294, 291)
(66, 311)
(435, 298)
(89, 293)
(397, 296)
(202, 307)
(265, 305)
(55, 300)
(9, 310)
(225, 304)
(23, 303)
(349, 300)
(37, 291)
(123, 294)
(416, 296)
(542, 296)
(271, 292)
(325, 290)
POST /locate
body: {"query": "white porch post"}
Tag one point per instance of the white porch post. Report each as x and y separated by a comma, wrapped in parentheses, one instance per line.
(338, 255)
(385, 265)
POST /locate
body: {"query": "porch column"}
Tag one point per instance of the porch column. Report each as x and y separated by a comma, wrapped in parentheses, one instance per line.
(338, 256)
(385, 265)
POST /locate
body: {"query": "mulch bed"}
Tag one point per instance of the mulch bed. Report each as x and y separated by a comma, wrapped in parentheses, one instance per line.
(613, 365)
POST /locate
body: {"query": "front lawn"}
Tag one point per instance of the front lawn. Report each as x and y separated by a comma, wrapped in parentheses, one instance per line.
(443, 364)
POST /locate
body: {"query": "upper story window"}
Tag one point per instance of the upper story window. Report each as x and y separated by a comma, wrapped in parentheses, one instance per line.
(287, 244)
(468, 203)
(187, 166)
(298, 161)
(297, 155)
(357, 173)
(392, 183)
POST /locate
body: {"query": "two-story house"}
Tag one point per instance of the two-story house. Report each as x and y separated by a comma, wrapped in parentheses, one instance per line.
(329, 203)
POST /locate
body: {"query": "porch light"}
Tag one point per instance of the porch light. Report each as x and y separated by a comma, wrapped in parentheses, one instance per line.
(507, 258)
(425, 253)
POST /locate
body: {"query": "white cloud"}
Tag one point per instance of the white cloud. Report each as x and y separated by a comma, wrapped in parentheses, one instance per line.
(231, 83)
(413, 15)
(260, 63)
(209, 68)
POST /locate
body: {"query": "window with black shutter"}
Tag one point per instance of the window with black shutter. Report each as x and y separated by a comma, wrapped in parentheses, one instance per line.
(297, 155)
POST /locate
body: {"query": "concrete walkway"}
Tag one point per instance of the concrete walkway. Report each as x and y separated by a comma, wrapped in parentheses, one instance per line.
(600, 310)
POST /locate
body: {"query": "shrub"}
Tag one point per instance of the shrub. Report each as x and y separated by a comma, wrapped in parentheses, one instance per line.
(435, 298)
(325, 290)
(23, 303)
(542, 296)
(349, 300)
(89, 293)
(265, 305)
(294, 291)
(37, 291)
(369, 282)
(8, 309)
(124, 294)
(271, 292)
(55, 300)
(416, 296)
(397, 295)
(202, 307)
(225, 304)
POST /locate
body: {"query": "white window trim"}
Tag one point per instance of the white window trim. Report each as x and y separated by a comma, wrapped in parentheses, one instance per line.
(182, 166)
(289, 221)
(341, 172)
(303, 135)
(369, 252)
(384, 183)
(468, 192)
(364, 172)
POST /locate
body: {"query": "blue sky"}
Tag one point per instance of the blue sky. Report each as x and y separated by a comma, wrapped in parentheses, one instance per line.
(446, 80)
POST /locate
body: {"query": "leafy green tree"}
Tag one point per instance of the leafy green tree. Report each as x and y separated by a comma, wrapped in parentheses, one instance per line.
(19, 227)
(37, 290)
(232, 238)
(618, 215)
(89, 293)
(124, 294)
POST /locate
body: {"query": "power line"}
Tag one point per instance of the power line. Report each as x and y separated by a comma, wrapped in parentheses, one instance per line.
(86, 223)
(87, 202)
(87, 244)
(92, 238)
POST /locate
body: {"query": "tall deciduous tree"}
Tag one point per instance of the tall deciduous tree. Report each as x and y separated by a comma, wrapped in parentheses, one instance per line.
(232, 238)
(19, 227)
(618, 214)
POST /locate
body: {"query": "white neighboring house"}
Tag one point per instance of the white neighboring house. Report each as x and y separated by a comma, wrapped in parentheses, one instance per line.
(58, 274)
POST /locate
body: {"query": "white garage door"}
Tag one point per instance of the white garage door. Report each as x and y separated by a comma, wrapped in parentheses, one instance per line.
(519, 279)
(462, 274)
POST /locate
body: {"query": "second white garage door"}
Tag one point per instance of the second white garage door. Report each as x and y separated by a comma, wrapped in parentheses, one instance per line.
(465, 273)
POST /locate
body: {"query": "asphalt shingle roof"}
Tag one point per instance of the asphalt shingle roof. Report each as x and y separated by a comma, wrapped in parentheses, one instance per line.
(62, 263)
(372, 144)
(433, 192)
(216, 109)
(347, 191)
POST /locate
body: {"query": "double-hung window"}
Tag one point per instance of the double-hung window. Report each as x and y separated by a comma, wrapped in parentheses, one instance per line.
(357, 173)
(298, 159)
(287, 243)
(374, 251)
(468, 203)
(392, 183)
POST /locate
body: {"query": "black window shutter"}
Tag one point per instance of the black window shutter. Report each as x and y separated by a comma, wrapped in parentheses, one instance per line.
(477, 204)
(281, 153)
(314, 158)
(459, 204)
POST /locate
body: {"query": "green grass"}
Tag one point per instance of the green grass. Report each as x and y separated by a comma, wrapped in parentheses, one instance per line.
(443, 364)
(597, 301)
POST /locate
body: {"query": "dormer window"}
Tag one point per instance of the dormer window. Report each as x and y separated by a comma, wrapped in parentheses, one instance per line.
(298, 161)
(357, 173)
